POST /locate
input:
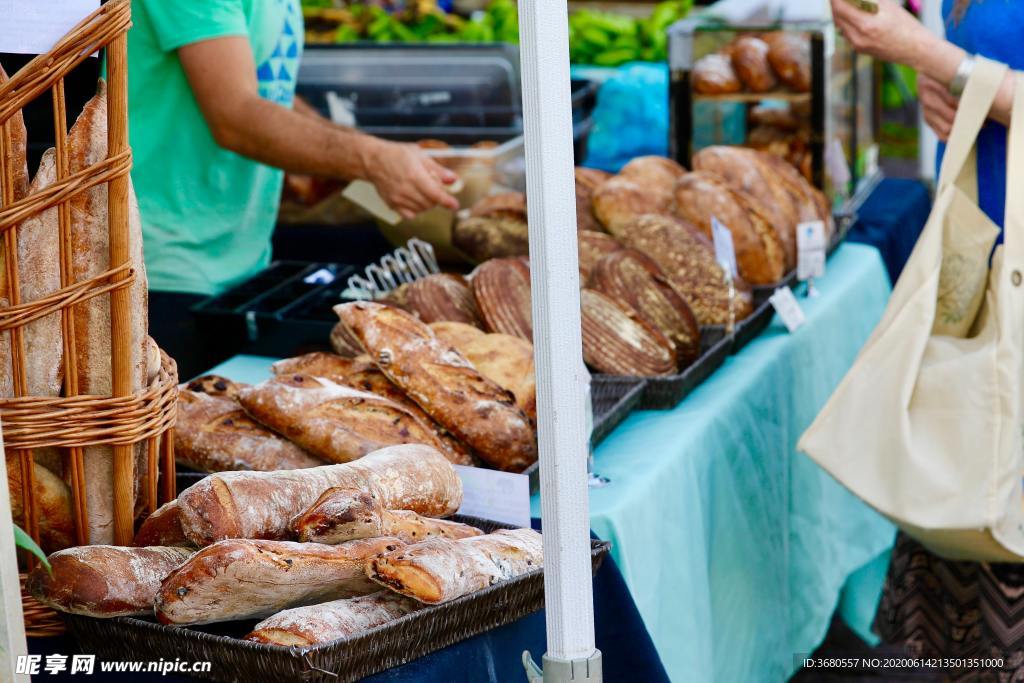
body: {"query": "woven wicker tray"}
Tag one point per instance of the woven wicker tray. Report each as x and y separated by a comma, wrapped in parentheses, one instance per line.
(350, 659)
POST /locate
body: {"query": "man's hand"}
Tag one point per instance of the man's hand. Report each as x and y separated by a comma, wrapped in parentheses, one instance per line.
(408, 180)
(938, 106)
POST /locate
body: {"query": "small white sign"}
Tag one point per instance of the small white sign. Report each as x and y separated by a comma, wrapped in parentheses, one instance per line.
(837, 165)
(725, 252)
(32, 27)
(498, 496)
(810, 242)
(788, 308)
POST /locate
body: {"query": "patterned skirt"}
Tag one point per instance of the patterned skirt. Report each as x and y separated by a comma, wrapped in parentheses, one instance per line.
(938, 608)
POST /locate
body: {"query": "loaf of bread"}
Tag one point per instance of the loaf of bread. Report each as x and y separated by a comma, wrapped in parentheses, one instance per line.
(476, 410)
(656, 175)
(811, 202)
(750, 60)
(587, 180)
(162, 528)
(323, 364)
(262, 504)
(593, 246)
(502, 291)
(17, 162)
(455, 334)
(215, 385)
(760, 252)
(214, 434)
(443, 296)
(688, 259)
(247, 579)
(790, 56)
(53, 504)
(502, 205)
(617, 341)
(334, 620)
(713, 74)
(343, 343)
(631, 277)
(508, 362)
(104, 580)
(332, 421)
(439, 570)
(621, 200)
(496, 228)
(347, 514)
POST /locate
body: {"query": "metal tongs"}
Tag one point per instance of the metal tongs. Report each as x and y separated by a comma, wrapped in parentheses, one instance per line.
(412, 262)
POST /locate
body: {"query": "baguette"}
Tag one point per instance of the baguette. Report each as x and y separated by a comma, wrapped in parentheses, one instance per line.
(262, 504)
(332, 421)
(448, 388)
(215, 385)
(346, 514)
(323, 364)
(17, 164)
(245, 579)
(317, 624)
(162, 527)
(439, 570)
(104, 580)
(214, 434)
(53, 502)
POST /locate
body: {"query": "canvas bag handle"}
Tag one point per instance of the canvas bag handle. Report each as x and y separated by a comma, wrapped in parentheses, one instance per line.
(958, 165)
(1013, 224)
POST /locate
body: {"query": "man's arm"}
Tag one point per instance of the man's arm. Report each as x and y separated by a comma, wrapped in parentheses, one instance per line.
(222, 75)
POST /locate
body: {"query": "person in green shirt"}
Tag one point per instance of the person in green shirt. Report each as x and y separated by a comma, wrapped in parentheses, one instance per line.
(213, 125)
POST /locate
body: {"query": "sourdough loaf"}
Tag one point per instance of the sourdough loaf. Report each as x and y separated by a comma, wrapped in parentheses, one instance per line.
(323, 623)
(347, 514)
(215, 385)
(617, 341)
(323, 364)
(656, 175)
(443, 296)
(621, 200)
(104, 580)
(439, 570)
(455, 334)
(262, 504)
(245, 579)
(587, 180)
(502, 291)
(477, 411)
(593, 246)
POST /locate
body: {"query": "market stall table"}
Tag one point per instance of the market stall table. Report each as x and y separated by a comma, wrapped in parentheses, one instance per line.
(738, 550)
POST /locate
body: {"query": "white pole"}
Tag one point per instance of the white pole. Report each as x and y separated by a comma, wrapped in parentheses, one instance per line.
(554, 275)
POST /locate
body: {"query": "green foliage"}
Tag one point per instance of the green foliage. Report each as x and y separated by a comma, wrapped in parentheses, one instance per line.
(24, 541)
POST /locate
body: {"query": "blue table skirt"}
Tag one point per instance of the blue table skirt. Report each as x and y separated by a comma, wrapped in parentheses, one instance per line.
(891, 220)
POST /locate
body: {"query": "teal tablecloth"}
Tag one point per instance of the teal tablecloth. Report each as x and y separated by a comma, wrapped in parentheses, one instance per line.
(736, 548)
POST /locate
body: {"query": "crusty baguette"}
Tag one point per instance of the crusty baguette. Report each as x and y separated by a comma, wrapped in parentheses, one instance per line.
(214, 434)
(105, 580)
(316, 624)
(346, 514)
(245, 579)
(262, 504)
(215, 385)
(332, 421)
(440, 569)
(163, 527)
(322, 364)
(470, 406)
(53, 502)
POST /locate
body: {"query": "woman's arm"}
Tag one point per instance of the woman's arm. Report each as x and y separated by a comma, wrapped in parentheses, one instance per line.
(894, 35)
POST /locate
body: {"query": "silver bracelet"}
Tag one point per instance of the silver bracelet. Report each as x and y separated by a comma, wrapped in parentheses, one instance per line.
(963, 74)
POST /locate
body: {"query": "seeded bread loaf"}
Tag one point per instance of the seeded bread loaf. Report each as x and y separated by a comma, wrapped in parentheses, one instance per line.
(593, 246)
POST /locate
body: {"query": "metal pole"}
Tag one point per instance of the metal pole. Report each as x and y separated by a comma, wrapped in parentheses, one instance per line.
(554, 274)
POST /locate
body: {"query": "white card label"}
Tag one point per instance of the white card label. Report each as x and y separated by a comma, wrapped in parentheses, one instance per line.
(498, 496)
(32, 27)
(725, 252)
(810, 241)
(788, 308)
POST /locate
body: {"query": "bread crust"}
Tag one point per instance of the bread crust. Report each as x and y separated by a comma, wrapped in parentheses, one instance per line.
(162, 528)
(53, 503)
(443, 296)
(713, 74)
(502, 291)
(587, 180)
(593, 246)
(617, 341)
(621, 200)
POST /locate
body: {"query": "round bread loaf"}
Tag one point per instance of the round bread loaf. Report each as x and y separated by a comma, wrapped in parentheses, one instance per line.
(495, 236)
(790, 56)
(634, 279)
(713, 75)
(502, 291)
(508, 362)
(593, 246)
(656, 175)
(621, 200)
(503, 205)
(443, 296)
(455, 334)
(617, 341)
(761, 255)
(587, 180)
(687, 258)
(750, 59)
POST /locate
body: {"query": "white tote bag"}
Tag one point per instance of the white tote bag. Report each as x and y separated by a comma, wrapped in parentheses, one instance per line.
(928, 426)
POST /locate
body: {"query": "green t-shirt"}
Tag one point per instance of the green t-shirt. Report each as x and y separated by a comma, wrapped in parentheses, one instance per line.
(207, 213)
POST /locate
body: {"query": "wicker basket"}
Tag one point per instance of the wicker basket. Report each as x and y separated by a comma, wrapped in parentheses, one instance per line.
(74, 421)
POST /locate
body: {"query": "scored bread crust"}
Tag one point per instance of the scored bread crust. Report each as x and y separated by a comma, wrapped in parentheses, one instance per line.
(621, 200)
(323, 623)
(162, 527)
(633, 278)
(593, 246)
(443, 296)
(502, 291)
(343, 343)
(104, 580)
(617, 341)
(214, 434)
(476, 410)
(440, 569)
(245, 579)
(262, 504)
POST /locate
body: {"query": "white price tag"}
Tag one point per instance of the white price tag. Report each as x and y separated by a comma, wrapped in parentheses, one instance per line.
(498, 496)
(788, 308)
(725, 252)
(837, 165)
(32, 27)
(810, 242)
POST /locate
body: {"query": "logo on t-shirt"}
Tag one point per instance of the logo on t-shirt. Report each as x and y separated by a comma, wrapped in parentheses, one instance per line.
(277, 74)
